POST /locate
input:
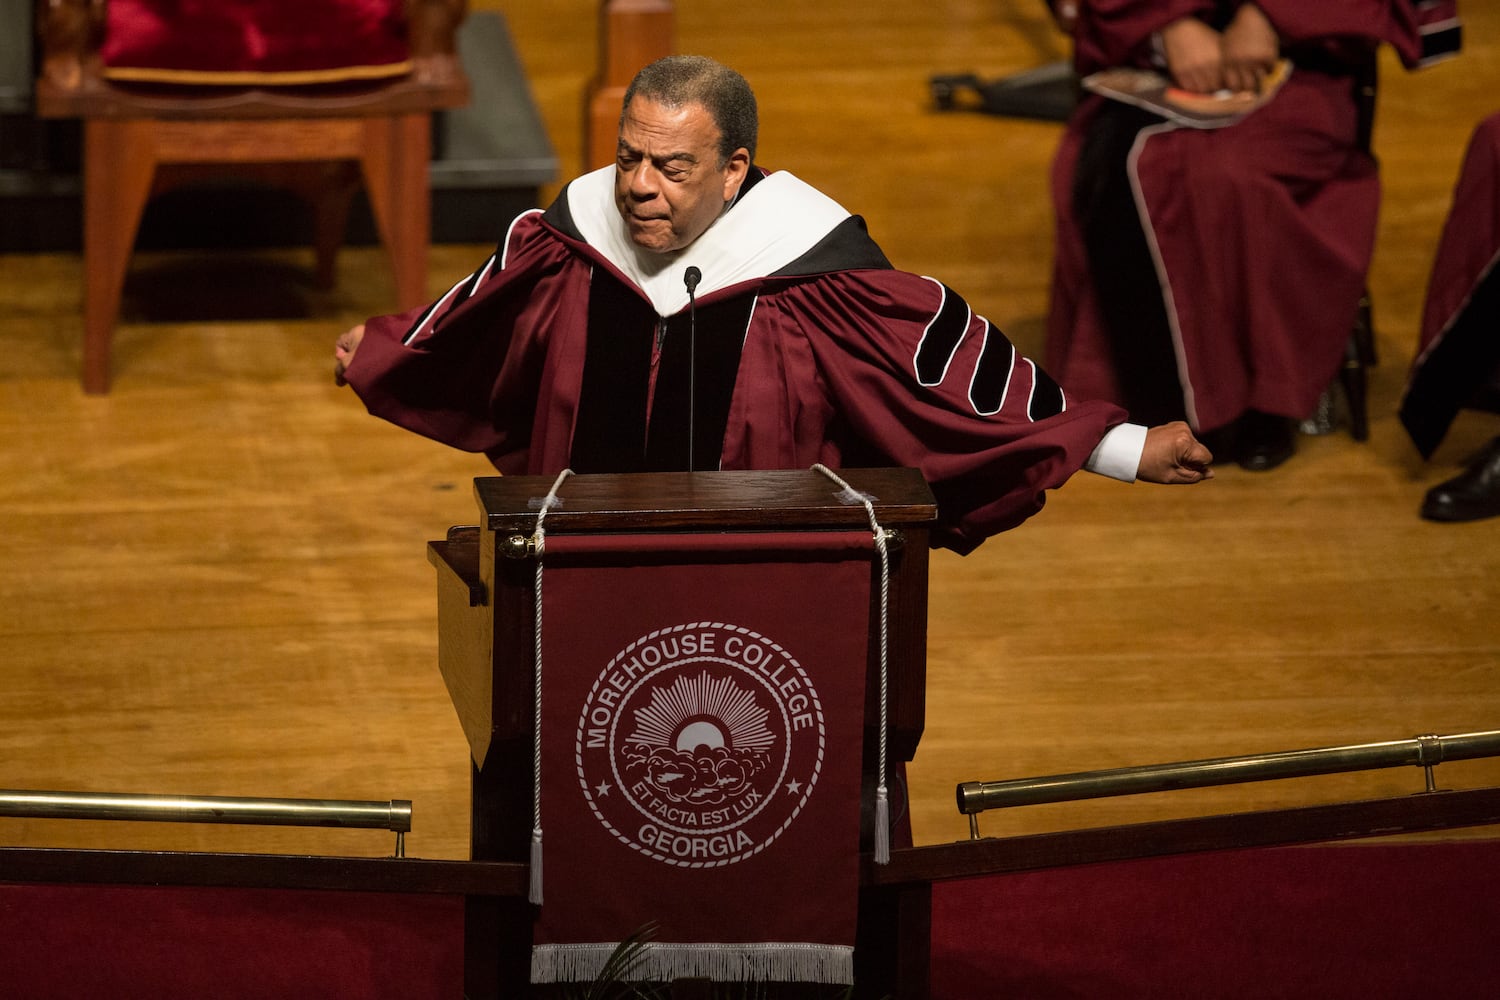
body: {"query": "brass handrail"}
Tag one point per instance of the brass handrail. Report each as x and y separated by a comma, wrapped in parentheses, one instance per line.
(1425, 751)
(394, 815)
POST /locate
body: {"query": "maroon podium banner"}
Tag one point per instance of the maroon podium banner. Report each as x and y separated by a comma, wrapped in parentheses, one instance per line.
(702, 710)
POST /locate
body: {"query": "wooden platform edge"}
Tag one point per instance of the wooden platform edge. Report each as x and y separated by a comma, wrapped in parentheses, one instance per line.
(263, 871)
(1424, 812)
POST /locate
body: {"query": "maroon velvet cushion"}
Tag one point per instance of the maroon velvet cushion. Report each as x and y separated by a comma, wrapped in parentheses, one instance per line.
(255, 41)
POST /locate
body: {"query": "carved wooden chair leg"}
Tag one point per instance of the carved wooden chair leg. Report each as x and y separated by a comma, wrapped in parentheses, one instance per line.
(118, 170)
(394, 166)
(1359, 356)
(331, 196)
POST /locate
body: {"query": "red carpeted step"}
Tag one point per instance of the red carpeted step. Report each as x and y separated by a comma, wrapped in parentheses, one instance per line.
(1358, 921)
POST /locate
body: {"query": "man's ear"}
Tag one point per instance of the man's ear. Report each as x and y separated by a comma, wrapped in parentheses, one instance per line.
(735, 170)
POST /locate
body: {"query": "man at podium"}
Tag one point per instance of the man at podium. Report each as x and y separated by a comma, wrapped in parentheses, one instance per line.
(685, 309)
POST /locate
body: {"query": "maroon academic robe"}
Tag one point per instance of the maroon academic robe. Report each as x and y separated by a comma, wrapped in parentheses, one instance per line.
(570, 348)
(1460, 339)
(1257, 236)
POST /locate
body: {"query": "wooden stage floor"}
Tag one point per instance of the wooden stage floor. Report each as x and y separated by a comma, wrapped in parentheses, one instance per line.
(214, 579)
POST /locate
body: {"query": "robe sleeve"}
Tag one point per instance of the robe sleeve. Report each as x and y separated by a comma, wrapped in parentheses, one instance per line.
(1470, 244)
(1393, 22)
(467, 369)
(1118, 32)
(923, 381)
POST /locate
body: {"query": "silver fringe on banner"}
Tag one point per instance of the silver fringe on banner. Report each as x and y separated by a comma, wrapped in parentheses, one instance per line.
(659, 962)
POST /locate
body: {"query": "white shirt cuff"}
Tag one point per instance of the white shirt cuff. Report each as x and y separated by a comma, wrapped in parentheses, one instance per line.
(1118, 456)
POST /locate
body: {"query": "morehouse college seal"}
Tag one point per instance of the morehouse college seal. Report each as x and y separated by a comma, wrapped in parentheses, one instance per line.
(699, 744)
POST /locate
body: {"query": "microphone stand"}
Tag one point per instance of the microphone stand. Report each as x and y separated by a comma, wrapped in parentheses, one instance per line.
(690, 279)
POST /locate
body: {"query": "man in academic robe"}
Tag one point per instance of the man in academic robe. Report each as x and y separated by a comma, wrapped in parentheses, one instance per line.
(1458, 359)
(685, 310)
(1214, 273)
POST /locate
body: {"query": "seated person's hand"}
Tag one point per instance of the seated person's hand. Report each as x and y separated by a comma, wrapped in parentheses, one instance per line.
(1172, 455)
(1251, 49)
(1064, 13)
(343, 351)
(1194, 54)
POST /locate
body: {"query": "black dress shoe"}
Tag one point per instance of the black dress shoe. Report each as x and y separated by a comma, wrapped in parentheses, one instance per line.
(1472, 494)
(1220, 441)
(1264, 441)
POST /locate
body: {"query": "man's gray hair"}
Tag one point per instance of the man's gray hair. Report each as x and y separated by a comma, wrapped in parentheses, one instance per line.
(677, 81)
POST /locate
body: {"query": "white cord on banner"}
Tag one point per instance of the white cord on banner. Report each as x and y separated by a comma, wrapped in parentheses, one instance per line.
(882, 796)
(539, 543)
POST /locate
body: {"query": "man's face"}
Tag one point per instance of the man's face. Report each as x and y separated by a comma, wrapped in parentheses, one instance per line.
(669, 186)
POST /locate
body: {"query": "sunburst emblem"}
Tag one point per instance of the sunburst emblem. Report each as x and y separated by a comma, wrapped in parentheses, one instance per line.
(702, 711)
(698, 744)
(699, 740)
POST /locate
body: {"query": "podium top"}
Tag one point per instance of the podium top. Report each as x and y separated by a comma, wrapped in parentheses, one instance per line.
(669, 501)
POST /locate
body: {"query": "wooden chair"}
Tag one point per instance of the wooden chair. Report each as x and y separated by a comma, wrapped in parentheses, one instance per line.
(320, 132)
(1359, 352)
(632, 34)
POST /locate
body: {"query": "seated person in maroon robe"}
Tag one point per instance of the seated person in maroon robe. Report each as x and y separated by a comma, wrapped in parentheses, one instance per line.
(1458, 361)
(1214, 274)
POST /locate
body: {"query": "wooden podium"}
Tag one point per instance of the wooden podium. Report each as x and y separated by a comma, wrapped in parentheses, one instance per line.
(486, 576)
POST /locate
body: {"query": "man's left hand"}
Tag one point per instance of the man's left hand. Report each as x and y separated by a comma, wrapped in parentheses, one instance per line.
(343, 352)
(1172, 455)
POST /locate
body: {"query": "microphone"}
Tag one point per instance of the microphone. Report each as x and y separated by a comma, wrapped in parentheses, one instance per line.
(690, 279)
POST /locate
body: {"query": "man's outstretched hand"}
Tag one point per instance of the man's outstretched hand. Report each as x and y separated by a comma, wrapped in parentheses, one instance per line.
(1172, 455)
(348, 343)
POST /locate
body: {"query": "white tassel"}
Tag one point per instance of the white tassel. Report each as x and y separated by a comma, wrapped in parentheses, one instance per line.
(536, 866)
(849, 494)
(540, 538)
